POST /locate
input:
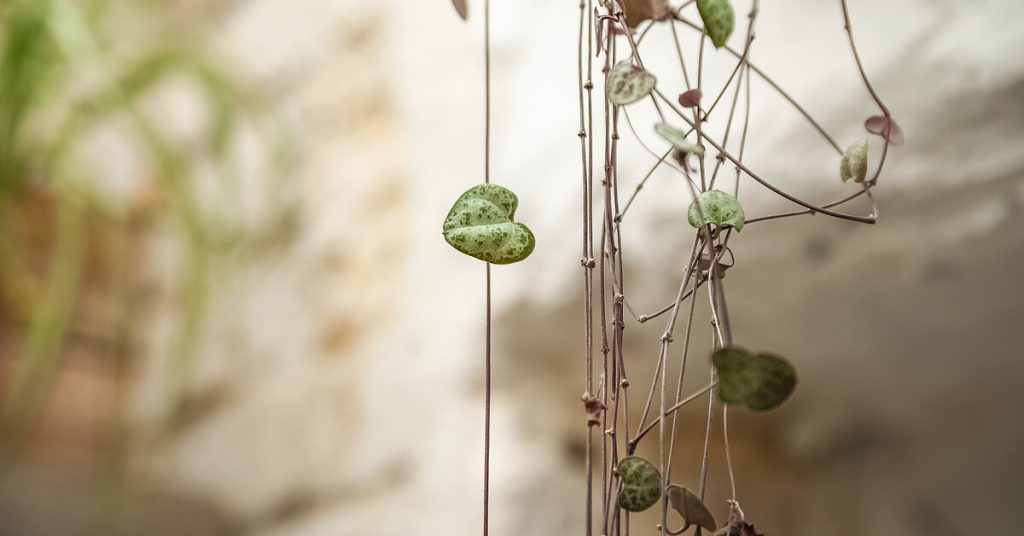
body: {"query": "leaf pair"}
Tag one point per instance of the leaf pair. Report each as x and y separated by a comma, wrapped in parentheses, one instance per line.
(762, 381)
(481, 225)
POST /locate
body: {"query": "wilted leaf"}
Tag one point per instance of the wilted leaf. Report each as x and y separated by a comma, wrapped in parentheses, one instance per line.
(641, 484)
(885, 127)
(854, 164)
(480, 225)
(628, 83)
(719, 20)
(462, 8)
(690, 508)
(678, 139)
(717, 208)
(691, 98)
(638, 11)
(738, 528)
(762, 381)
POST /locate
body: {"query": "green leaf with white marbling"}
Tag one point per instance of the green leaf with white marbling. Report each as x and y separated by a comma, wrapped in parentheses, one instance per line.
(678, 139)
(641, 484)
(719, 20)
(628, 83)
(717, 208)
(481, 225)
(854, 164)
(762, 381)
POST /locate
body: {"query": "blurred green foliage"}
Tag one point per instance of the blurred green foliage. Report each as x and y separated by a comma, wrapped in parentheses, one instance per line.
(65, 71)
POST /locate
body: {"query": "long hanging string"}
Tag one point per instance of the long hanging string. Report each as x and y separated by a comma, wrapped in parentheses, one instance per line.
(487, 179)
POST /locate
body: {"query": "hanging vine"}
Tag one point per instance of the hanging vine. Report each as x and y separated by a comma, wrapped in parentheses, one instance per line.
(761, 381)
(481, 224)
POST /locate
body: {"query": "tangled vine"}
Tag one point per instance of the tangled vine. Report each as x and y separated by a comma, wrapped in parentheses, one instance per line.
(481, 224)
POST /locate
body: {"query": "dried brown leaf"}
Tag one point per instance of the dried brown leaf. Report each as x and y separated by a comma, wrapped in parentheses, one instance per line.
(461, 8)
(638, 11)
(691, 508)
(691, 98)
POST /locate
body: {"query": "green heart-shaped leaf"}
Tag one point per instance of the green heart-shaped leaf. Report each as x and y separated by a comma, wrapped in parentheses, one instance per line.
(737, 376)
(778, 380)
(691, 508)
(762, 381)
(719, 20)
(718, 208)
(641, 484)
(628, 83)
(678, 139)
(480, 225)
(854, 164)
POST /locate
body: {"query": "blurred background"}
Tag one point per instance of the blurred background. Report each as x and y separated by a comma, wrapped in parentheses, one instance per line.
(226, 307)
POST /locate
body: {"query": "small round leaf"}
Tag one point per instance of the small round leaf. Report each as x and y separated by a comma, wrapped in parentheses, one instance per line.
(778, 380)
(719, 20)
(481, 225)
(885, 127)
(678, 139)
(628, 83)
(641, 484)
(691, 98)
(738, 377)
(854, 164)
(762, 381)
(718, 208)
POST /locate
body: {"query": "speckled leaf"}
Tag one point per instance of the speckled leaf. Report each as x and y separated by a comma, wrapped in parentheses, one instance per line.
(461, 8)
(691, 508)
(641, 484)
(738, 377)
(628, 83)
(885, 127)
(854, 164)
(481, 225)
(762, 381)
(719, 20)
(638, 11)
(778, 380)
(678, 139)
(718, 208)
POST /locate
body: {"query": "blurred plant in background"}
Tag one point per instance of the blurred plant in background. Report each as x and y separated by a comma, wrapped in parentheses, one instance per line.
(71, 73)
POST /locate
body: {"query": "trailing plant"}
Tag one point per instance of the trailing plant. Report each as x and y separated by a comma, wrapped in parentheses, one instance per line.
(616, 31)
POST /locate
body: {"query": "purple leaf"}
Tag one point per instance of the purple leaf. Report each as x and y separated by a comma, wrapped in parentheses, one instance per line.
(885, 127)
(691, 98)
